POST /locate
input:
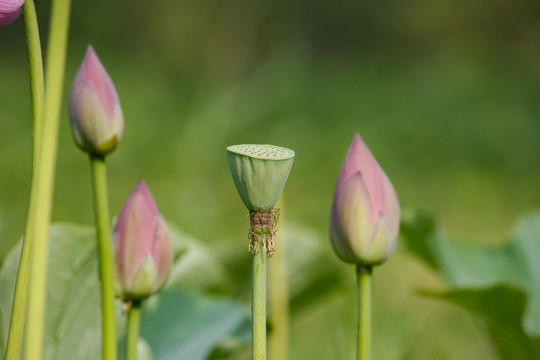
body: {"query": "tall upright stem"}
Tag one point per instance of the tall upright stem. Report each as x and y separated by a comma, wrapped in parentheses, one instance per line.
(44, 176)
(101, 214)
(134, 318)
(35, 67)
(278, 295)
(363, 274)
(258, 307)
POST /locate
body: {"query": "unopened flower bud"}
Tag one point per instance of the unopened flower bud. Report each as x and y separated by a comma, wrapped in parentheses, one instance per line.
(259, 173)
(97, 121)
(364, 223)
(144, 250)
(10, 11)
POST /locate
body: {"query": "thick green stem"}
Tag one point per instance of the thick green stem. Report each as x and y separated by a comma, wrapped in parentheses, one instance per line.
(101, 213)
(258, 307)
(134, 319)
(363, 274)
(35, 66)
(44, 176)
(278, 295)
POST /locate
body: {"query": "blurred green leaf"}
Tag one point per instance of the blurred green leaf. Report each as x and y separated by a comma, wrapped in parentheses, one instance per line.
(179, 325)
(309, 282)
(198, 268)
(499, 310)
(189, 326)
(235, 347)
(73, 320)
(473, 270)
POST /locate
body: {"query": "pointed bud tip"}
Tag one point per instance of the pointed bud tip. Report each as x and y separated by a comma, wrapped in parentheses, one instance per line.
(141, 184)
(358, 145)
(142, 189)
(90, 56)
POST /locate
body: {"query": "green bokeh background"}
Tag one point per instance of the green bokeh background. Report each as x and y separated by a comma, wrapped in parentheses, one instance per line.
(444, 93)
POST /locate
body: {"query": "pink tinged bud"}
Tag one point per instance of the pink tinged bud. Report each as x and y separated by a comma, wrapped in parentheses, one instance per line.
(10, 11)
(144, 250)
(364, 223)
(97, 121)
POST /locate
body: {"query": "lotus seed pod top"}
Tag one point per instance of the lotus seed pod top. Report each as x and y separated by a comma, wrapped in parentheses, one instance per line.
(10, 11)
(259, 173)
(364, 223)
(144, 250)
(97, 121)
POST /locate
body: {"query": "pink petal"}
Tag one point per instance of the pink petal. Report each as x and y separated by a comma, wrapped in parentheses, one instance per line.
(351, 222)
(391, 208)
(10, 6)
(8, 18)
(134, 231)
(93, 73)
(162, 252)
(359, 159)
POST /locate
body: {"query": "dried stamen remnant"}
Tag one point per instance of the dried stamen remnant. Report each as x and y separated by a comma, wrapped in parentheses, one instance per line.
(261, 221)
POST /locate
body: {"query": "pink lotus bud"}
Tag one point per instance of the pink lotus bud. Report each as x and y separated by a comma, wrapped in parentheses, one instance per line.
(97, 121)
(10, 11)
(365, 214)
(144, 250)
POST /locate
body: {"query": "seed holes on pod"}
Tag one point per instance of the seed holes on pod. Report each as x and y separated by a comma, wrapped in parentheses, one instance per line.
(263, 152)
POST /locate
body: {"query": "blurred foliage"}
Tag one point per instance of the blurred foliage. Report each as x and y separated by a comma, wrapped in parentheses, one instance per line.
(188, 326)
(175, 323)
(73, 304)
(445, 94)
(499, 285)
(499, 310)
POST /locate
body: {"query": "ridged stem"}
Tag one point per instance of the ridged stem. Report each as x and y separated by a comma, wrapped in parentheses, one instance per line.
(37, 90)
(101, 214)
(258, 307)
(134, 319)
(44, 176)
(363, 275)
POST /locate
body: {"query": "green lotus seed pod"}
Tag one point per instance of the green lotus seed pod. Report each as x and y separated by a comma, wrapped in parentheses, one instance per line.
(259, 173)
